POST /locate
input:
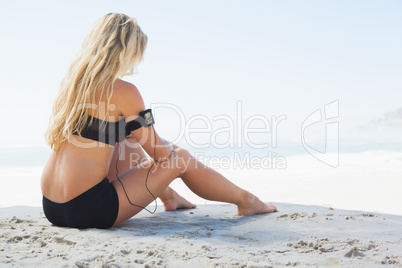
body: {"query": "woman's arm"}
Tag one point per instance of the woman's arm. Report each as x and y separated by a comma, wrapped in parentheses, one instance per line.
(129, 102)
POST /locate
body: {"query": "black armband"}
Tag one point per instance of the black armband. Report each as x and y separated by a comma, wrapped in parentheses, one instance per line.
(144, 120)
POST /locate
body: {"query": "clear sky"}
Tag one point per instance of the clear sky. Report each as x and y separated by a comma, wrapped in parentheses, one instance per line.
(276, 57)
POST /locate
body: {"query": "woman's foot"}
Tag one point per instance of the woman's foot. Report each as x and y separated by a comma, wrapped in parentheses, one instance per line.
(173, 201)
(252, 205)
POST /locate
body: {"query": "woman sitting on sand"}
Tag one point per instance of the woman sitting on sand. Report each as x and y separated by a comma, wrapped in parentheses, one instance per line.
(94, 115)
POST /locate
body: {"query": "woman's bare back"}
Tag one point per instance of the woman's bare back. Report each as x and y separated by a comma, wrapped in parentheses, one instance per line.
(81, 163)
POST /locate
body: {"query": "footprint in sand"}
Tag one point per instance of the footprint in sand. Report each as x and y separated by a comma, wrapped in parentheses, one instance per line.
(354, 252)
(390, 260)
(295, 216)
(310, 246)
(61, 240)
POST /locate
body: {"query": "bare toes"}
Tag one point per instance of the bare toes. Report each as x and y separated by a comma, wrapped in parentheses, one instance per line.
(272, 206)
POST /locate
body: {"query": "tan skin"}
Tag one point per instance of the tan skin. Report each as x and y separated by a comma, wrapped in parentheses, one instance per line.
(74, 169)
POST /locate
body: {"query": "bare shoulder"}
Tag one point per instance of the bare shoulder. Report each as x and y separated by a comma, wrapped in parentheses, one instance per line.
(127, 98)
(124, 89)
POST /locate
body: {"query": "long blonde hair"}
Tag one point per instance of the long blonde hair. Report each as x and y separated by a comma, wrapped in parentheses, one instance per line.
(111, 50)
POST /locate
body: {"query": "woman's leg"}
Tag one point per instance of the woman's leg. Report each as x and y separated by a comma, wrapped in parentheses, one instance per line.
(211, 185)
(202, 180)
(129, 154)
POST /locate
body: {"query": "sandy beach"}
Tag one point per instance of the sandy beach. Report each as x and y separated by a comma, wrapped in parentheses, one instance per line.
(346, 216)
(209, 236)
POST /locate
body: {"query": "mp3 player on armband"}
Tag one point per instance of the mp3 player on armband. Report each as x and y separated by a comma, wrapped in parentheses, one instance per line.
(148, 117)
